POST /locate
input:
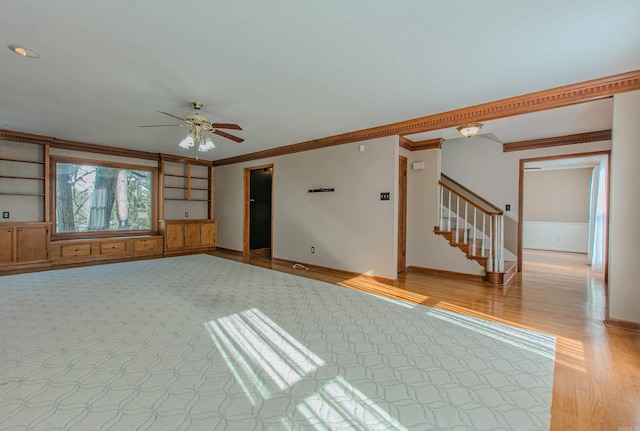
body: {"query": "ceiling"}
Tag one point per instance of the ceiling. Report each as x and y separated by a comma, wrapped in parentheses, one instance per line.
(290, 71)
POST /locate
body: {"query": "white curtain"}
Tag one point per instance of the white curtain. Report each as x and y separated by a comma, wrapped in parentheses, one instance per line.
(598, 216)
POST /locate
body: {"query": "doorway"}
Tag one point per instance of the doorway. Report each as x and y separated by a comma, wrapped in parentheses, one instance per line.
(562, 213)
(402, 214)
(258, 211)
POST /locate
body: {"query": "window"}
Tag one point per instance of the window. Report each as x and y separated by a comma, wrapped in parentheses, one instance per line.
(109, 198)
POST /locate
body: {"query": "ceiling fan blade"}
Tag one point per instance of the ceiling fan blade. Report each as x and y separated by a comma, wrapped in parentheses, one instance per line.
(163, 125)
(225, 126)
(228, 136)
(171, 115)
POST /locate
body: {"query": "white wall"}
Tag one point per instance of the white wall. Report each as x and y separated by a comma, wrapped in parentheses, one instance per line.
(424, 248)
(351, 228)
(559, 195)
(624, 229)
(556, 236)
(480, 165)
(556, 209)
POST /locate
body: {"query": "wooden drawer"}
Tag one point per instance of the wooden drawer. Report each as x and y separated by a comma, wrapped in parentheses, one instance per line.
(72, 250)
(113, 247)
(151, 244)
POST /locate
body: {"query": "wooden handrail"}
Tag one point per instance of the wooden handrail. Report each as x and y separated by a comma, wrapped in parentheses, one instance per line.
(482, 204)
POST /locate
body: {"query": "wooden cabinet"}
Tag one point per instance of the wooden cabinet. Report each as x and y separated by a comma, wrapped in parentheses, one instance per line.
(6, 245)
(184, 236)
(23, 244)
(95, 250)
(151, 245)
(173, 236)
(32, 243)
(208, 234)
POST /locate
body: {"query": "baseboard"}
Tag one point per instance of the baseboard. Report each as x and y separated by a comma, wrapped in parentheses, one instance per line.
(622, 324)
(452, 274)
(229, 250)
(346, 274)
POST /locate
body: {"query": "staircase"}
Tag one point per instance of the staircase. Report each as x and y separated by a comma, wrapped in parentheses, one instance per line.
(476, 227)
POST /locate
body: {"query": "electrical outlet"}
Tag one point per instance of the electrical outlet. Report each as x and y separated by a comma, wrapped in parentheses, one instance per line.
(385, 196)
(313, 249)
(5, 214)
(508, 207)
(186, 213)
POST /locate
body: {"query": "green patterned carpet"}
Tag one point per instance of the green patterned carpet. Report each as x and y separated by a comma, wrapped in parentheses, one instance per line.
(203, 343)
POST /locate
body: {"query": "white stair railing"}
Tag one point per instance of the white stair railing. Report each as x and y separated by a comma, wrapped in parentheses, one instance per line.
(459, 207)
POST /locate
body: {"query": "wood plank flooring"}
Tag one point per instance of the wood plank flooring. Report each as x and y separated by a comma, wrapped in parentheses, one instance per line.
(597, 372)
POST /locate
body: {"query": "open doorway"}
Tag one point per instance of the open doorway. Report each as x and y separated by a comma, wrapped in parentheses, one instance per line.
(563, 214)
(258, 219)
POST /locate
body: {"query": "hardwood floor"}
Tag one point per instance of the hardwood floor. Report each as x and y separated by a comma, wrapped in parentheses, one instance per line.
(597, 373)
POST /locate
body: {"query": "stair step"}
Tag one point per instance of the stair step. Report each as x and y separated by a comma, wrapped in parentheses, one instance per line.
(493, 277)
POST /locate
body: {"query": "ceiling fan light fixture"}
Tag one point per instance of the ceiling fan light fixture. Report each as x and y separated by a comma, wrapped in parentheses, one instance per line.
(208, 145)
(188, 141)
(470, 129)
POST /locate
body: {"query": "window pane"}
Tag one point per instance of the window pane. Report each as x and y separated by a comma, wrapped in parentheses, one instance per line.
(96, 198)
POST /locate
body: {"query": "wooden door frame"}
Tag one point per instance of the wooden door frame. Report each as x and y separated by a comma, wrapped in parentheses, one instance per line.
(402, 214)
(607, 154)
(247, 207)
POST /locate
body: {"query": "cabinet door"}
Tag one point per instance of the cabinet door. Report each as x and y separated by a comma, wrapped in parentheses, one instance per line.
(192, 235)
(208, 234)
(6, 245)
(32, 244)
(175, 236)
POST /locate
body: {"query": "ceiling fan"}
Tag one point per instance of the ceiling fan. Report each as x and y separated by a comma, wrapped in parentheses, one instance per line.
(199, 125)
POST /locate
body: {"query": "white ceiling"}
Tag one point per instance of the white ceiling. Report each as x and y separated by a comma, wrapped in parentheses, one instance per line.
(289, 71)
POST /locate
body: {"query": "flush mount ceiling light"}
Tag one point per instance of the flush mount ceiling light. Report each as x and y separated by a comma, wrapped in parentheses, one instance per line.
(23, 51)
(469, 130)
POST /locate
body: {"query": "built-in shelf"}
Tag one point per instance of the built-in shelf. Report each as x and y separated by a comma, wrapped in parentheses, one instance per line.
(25, 176)
(186, 186)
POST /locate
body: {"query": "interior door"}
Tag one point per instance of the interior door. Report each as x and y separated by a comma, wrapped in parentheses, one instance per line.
(402, 214)
(258, 209)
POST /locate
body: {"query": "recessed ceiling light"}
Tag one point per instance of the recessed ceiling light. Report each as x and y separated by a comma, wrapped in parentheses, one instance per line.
(23, 51)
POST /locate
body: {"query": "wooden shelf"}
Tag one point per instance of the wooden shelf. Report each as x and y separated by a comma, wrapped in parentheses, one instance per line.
(184, 176)
(22, 194)
(185, 189)
(4, 159)
(15, 177)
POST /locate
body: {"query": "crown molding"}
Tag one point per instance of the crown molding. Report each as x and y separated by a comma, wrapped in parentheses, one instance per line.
(428, 144)
(579, 138)
(102, 149)
(181, 159)
(10, 135)
(558, 97)
(538, 101)
(28, 138)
